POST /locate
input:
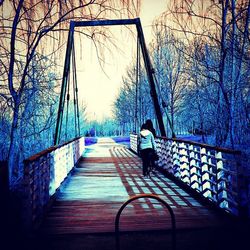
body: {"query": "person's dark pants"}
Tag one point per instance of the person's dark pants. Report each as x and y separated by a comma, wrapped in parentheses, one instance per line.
(146, 155)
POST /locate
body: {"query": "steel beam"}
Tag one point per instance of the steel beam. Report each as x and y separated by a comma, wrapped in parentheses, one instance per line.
(106, 22)
(149, 70)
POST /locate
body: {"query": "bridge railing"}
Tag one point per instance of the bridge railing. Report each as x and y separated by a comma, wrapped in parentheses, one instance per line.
(215, 173)
(43, 174)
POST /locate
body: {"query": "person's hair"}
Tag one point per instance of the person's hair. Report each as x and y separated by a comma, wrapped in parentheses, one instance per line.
(149, 123)
(144, 126)
(150, 127)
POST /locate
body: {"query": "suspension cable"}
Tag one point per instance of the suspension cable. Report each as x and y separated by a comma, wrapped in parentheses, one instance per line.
(74, 93)
(139, 83)
(67, 113)
(136, 83)
(77, 100)
(76, 105)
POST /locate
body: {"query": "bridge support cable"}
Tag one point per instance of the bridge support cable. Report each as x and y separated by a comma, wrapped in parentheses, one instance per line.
(150, 72)
(140, 95)
(67, 107)
(75, 90)
(138, 65)
(64, 85)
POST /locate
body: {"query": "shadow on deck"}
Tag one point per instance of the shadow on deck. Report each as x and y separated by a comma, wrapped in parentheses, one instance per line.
(84, 210)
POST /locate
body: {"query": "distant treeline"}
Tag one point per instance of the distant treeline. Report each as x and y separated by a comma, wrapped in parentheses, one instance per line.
(200, 56)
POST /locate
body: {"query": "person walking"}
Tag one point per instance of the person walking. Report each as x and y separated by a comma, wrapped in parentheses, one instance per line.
(155, 157)
(147, 146)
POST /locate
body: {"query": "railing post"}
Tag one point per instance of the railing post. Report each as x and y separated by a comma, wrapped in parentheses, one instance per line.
(169, 158)
(176, 159)
(221, 195)
(184, 166)
(205, 175)
(194, 169)
(243, 188)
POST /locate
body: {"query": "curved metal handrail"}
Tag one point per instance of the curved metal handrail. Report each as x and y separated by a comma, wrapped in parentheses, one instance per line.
(153, 196)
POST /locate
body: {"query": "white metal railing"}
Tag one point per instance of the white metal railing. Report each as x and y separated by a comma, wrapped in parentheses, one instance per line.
(214, 172)
(133, 142)
(44, 173)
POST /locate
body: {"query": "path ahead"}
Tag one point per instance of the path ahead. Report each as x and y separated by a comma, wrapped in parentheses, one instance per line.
(107, 175)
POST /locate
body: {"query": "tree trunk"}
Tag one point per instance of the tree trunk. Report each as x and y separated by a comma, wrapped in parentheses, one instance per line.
(223, 101)
(201, 116)
(172, 115)
(12, 157)
(233, 82)
(13, 167)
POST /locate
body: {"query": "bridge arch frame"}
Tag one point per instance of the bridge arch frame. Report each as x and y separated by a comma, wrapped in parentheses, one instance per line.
(146, 58)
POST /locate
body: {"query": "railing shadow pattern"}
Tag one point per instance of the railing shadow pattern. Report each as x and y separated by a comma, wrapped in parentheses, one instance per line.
(215, 173)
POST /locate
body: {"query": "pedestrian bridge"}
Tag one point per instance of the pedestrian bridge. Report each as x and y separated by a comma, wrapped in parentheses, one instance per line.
(76, 189)
(81, 196)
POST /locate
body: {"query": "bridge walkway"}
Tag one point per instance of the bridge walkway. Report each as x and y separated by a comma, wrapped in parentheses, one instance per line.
(106, 176)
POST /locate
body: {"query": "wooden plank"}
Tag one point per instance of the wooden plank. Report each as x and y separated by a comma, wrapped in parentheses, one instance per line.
(89, 201)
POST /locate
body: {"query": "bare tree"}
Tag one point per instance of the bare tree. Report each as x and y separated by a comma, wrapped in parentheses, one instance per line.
(224, 26)
(30, 27)
(169, 58)
(134, 105)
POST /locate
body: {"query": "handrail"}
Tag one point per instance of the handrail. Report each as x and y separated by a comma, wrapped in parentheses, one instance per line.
(213, 172)
(153, 196)
(49, 150)
(43, 175)
(225, 150)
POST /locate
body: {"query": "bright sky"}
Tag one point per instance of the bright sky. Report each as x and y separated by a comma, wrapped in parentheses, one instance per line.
(97, 90)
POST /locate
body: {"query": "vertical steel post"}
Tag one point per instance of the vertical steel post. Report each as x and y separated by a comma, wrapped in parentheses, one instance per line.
(150, 77)
(136, 84)
(64, 84)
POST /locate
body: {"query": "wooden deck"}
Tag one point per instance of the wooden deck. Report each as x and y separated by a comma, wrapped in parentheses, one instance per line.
(105, 178)
(83, 213)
